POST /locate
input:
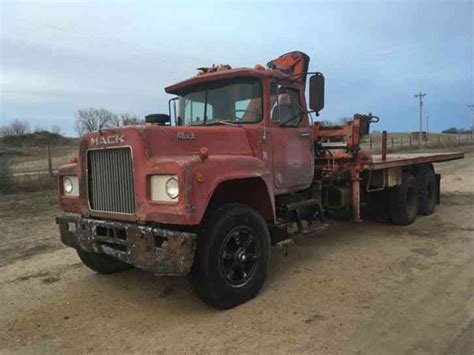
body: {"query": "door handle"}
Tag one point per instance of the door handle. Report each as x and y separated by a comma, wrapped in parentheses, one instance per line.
(305, 134)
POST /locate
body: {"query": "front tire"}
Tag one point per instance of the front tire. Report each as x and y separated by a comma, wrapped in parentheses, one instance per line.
(232, 257)
(102, 263)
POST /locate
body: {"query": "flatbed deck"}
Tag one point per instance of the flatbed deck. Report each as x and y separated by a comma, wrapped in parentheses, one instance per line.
(398, 160)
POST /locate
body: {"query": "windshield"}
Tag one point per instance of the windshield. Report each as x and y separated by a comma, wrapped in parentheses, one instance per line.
(221, 102)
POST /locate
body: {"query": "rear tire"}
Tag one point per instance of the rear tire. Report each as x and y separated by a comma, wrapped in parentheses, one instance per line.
(232, 257)
(428, 191)
(377, 205)
(403, 202)
(102, 263)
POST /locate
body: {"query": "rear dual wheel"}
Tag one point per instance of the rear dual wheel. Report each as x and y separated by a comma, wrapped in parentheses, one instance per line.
(416, 195)
(403, 201)
(428, 191)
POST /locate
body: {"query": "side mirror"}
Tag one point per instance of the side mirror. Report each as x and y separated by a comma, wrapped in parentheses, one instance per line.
(316, 92)
(161, 119)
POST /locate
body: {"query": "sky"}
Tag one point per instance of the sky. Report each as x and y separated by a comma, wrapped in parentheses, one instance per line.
(58, 57)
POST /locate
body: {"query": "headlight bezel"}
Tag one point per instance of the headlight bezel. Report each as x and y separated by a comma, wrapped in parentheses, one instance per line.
(160, 186)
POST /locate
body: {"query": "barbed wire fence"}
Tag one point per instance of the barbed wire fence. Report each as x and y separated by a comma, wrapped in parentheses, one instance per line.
(398, 142)
(24, 169)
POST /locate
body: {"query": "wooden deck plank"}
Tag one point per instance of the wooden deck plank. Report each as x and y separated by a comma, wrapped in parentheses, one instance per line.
(397, 160)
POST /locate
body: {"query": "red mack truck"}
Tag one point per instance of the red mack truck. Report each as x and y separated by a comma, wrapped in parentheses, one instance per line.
(209, 188)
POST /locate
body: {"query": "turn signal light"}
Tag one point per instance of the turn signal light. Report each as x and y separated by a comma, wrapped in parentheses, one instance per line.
(199, 177)
(73, 160)
(203, 153)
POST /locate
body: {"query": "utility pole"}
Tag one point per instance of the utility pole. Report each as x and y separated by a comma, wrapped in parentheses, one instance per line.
(427, 124)
(420, 96)
(471, 107)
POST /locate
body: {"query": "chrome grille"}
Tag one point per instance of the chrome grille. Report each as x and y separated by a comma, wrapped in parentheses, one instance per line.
(110, 180)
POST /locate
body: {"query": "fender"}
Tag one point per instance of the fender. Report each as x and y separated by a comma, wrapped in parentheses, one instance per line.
(219, 169)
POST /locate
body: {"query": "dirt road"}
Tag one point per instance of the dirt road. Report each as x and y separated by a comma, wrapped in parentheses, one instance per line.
(355, 288)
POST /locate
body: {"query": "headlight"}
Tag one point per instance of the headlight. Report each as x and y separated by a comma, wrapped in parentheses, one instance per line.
(71, 185)
(164, 188)
(172, 188)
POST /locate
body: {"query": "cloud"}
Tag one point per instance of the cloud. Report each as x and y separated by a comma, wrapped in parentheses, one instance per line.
(58, 57)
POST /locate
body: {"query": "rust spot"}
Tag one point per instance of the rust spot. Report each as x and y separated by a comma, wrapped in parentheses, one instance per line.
(162, 251)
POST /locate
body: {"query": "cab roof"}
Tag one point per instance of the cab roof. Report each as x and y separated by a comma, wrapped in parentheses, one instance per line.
(291, 66)
(225, 74)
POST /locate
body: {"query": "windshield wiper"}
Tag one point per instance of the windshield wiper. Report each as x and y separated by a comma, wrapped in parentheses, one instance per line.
(225, 122)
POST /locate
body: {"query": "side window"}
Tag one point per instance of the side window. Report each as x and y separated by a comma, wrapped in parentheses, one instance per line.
(285, 104)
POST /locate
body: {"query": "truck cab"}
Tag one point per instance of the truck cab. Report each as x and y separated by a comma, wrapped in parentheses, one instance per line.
(208, 188)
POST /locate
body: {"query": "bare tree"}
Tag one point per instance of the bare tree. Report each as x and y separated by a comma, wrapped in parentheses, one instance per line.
(15, 128)
(55, 129)
(130, 120)
(125, 119)
(116, 121)
(5, 131)
(93, 119)
(20, 128)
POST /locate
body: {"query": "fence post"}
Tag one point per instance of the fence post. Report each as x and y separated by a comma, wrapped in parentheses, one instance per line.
(392, 142)
(370, 143)
(384, 145)
(401, 141)
(409, 140)
(50, 163)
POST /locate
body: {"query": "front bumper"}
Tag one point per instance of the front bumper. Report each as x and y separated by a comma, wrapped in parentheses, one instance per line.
(162, 251)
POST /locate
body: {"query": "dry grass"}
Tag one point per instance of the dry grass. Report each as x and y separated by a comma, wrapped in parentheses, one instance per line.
(26, 168)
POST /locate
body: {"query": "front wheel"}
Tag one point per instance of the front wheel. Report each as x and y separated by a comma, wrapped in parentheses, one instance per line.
(232, 257)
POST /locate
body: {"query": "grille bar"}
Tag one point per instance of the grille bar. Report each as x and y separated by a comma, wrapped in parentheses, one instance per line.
(111, 180)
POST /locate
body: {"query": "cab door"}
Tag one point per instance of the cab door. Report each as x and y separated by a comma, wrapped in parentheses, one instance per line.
(292, 141)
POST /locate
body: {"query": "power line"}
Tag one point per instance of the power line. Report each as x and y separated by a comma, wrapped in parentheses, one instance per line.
(420, 96)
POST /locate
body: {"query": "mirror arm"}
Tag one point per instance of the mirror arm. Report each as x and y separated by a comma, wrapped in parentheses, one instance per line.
(169, 108)
(305, 73)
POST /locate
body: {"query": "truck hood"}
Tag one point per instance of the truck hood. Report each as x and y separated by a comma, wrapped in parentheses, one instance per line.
(166, 141)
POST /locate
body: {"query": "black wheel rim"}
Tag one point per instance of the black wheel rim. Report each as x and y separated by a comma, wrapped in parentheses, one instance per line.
(238, 256)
